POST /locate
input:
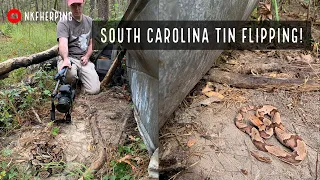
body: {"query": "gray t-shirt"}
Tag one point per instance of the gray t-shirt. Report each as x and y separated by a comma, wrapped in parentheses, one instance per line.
(77, 33)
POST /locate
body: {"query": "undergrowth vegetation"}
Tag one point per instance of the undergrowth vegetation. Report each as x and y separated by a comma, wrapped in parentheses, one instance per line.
(25, 91)
(23, 39)
(15, 103)
(130, 162)
(17, 98)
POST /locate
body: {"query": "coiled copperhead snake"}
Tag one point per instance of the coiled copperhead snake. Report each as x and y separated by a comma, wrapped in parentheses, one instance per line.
(266, 128)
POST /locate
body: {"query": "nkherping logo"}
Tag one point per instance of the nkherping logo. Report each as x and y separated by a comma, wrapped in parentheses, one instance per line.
(14, 16)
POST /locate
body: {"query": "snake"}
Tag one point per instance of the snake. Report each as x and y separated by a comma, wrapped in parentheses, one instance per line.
(266, 122)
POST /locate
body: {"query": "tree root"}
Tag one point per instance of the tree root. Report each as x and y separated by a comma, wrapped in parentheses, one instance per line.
(100, 142)
(97, 164)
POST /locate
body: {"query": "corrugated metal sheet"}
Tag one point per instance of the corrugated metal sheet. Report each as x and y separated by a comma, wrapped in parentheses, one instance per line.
(160, 80)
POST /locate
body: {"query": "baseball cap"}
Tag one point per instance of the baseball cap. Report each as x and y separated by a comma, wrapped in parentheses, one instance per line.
(74, 1)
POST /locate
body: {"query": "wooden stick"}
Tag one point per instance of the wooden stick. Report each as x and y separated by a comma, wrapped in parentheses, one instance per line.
(36, 114)
(308, 14)
(106, 80)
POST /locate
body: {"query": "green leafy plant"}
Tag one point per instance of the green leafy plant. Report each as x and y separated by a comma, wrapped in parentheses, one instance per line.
(275, 5)
(9, 170)
(79, 170)
(55, 131)
(14, 103)
(6, 152)
(125, 163)
(116, 13)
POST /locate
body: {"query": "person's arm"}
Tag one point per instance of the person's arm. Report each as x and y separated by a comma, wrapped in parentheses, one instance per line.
(63, 47)
(86, 57)
(63, 51)
(62, 37)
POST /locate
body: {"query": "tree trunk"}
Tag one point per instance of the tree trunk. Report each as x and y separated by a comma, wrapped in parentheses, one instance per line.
(8, 7)
(259, 82)
(99, 8)
(91, 8)
(30, 7)
(103, 9)
(55, 6)
(16, 63)
(18, 4)
(37, 5)
(63, 5)
(1, 11)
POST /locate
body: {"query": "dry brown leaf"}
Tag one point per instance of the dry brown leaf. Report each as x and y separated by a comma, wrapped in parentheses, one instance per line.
(139, 160)
(265, 11)
(260, 158)
(307, 58)
(210, 100)
(132, 138)
(191, 142)
(274, 75)
(232, 62)
(245, 172)
(124, 158)
(207, 88)
(216, 94)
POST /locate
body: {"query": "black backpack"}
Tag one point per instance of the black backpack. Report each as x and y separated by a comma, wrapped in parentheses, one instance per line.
(104, 61)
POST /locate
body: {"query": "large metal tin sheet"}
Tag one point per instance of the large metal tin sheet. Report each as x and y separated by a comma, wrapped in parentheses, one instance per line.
(160, 80)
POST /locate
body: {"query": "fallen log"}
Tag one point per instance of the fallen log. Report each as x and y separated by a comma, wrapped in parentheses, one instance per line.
(48, 57)
(300, 70)
(16, 63)
(253, 67)
(259, 82)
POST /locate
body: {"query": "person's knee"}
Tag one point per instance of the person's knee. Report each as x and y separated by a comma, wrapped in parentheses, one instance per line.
(71, 76)
(93, 90)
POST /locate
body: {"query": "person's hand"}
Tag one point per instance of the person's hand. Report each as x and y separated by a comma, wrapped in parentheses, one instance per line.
(66, 62)
(84, 60)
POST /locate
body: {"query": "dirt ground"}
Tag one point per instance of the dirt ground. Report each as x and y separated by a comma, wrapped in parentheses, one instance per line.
(74, 145)
(221, 150)
(202, 142)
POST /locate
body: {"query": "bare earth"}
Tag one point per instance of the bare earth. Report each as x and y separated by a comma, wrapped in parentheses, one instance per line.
(74, 145)
(202, 142)
(224, 150)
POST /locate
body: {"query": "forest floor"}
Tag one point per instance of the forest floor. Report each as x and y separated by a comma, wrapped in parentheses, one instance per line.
(201, 141)
(31, 146)
(65, 151)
